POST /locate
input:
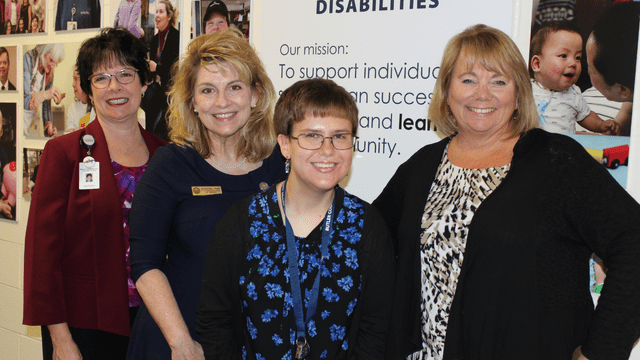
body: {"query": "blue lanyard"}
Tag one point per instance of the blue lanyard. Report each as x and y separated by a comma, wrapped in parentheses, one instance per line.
(294, 275)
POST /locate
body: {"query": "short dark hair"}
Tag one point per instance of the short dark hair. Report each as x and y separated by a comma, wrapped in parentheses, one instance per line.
(317, 97)
(616, 39)
(4, 50)
(109, 47)
(540, 37)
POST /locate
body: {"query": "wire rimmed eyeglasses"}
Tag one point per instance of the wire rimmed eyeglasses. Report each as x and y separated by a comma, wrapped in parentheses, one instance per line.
(124, 76)
(310, 141)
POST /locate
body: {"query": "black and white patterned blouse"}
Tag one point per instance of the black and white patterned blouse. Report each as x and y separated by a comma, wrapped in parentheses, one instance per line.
(454, 197)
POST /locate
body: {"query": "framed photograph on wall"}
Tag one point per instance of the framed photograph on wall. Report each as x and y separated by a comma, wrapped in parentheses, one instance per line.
(77, 14)
(8, 168)
(23, 17)
(30, 163)
(8, 68)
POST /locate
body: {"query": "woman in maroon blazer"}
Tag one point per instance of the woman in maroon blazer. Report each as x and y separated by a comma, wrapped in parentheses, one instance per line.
(77, 281)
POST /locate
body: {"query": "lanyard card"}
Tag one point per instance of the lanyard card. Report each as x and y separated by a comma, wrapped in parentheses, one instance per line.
(89, 175)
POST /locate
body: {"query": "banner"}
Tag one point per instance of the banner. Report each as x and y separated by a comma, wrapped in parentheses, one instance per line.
(386, 53)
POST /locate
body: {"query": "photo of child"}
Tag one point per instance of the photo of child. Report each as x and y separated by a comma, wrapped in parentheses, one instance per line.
(556, 52)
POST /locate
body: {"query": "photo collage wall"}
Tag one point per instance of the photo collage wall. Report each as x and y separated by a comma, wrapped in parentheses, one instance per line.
(40, 90)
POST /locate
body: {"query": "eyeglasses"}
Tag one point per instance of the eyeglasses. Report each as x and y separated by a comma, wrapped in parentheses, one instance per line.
(314, 141)
(124, 76)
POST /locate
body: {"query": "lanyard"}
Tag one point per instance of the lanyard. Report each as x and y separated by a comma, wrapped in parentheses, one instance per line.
(294, 278)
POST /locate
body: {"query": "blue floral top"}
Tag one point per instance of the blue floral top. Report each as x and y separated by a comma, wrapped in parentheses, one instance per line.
(265, 288)
(267, 316)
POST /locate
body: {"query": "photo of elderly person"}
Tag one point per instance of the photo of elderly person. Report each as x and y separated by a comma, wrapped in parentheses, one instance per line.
(524, 209)
(38, 69)
(221, 118)
(216, 17)
(77, 282)
(163, 53)
(305, 269)
(612, 50)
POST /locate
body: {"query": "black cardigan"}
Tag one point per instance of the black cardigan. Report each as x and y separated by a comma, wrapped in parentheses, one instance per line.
(523, 288)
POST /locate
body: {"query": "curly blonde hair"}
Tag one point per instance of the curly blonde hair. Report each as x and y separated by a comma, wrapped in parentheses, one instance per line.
(224, 47)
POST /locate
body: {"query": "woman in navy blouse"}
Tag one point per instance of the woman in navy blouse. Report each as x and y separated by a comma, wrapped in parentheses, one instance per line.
(303, 270)
(221, 123)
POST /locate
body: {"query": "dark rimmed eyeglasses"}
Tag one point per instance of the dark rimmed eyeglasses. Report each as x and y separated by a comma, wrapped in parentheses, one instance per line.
(124, 76)
(310, 141)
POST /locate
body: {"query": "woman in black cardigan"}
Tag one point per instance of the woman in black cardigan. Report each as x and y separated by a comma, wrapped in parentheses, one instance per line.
(524, 209)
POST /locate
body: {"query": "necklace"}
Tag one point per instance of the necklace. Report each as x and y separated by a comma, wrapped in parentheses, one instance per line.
(228, 167)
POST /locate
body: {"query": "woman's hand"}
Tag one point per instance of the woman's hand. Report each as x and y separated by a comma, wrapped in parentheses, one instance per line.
(189, 349)
(50, 130)
(158, 297)
(577, 354)
(64, 348)
(55, 94)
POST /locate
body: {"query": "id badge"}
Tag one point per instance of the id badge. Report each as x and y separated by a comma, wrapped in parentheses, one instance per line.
(72, 25)
(89, 175)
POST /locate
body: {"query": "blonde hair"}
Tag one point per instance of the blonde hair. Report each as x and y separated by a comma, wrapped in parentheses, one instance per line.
(224, 47)
(495, 51)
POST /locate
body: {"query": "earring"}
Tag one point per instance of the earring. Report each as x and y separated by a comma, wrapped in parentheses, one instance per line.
(287, 166)
(253, 106)
(195, 110)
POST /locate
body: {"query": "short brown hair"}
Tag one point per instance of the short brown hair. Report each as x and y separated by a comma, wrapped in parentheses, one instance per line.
(318, 97)
(224, 47)
(111, 46)
(495, 51)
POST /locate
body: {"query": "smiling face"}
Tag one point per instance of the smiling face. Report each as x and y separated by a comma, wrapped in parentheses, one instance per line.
(223, 101)
(49, 63)
(4, 67)
(117, 102)
(162, 17)
(481, 100)
(34, 25)
(558, 66)
(21, 25)
(216, 22)
(322, 169)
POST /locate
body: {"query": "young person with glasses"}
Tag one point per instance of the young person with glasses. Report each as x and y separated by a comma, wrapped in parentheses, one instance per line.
(305, 269)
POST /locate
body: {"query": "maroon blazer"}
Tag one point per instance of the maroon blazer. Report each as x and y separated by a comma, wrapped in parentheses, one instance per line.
(75, 267)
